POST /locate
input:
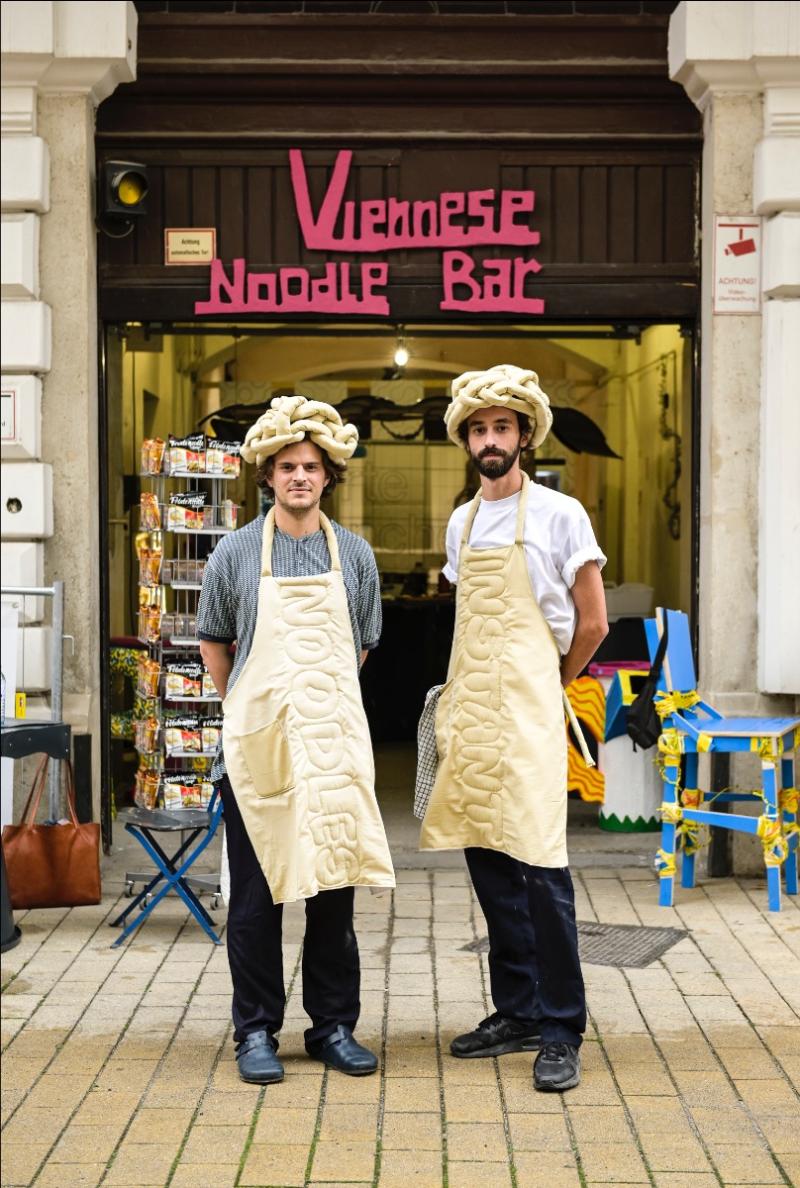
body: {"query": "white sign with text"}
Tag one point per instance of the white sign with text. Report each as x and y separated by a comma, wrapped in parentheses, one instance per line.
(737, 264)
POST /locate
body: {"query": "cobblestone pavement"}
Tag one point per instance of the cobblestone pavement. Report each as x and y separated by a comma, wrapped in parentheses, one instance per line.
(118, 1065)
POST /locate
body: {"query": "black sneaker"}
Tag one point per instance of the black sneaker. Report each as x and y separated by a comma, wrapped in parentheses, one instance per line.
(556, 1068)
(494, 1037)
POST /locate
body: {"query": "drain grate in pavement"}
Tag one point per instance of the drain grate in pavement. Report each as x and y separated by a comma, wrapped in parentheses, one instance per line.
(630, 945)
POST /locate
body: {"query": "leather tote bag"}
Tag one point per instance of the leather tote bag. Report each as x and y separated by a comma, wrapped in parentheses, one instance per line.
(52, 865)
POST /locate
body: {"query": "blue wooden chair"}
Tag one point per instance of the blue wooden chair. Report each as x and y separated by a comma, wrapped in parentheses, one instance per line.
(690, 728)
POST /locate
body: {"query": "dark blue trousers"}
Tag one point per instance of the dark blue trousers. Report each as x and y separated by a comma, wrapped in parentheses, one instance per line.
(534, 967)
(331, 968)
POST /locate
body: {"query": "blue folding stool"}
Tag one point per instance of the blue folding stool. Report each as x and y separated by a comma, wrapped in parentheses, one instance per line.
(690, 728)
(142, 824)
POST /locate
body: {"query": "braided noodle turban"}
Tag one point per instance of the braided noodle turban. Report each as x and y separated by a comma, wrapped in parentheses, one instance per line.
(504, 386)
(290, 419)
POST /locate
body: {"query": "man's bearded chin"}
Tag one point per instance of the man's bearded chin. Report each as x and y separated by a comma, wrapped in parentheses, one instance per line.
(496, 464)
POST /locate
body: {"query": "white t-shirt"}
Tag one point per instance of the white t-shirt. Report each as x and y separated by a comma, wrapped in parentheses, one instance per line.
(558, 541)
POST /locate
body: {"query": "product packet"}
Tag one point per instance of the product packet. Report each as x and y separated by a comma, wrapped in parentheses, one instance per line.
(208, 687)
(149, 512)
(229, 514)
(186, 789)
(145, 792)
(152, 455)
(150, 566)
(183, 680)
(147, 674)
(145, 735)
(187, 454)
(149, 622)
(211, 730)
(222, 457)
(182, 733)
(186, 510)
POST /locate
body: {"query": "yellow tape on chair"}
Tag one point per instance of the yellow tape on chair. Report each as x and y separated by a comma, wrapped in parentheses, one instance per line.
(666, 864)
(671, 813)
(776, 848)
(789, 800)
(670, 703)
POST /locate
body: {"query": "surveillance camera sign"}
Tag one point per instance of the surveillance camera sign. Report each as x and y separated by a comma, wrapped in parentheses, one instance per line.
(737, 264)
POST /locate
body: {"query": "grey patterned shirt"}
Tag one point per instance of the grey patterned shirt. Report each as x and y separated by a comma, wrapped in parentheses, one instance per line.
(229, 598)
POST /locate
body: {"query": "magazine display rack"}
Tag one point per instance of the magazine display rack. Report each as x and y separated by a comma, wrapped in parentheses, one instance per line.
(184, 512)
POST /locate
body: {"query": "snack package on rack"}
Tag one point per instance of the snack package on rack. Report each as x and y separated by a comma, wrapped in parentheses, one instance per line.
(149, 623)
(229, 512)
(145, 735)
(152, 455)
(149, 512)
(145, 793)
(186, 789)
(208, 688)
(147, 674)
(182, 733)
(185, 627)
(183, 680)
(187, 510)
(211, 732)
(150, 561)
(187, 455)
(222, 457)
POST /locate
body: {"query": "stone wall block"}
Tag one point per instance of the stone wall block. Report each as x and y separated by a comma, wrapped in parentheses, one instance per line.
(25, 336)
(25, 176)
(23, 565)
(22, 417)
(779, 521)
(19, 257)
(26, 498)
(781, 274)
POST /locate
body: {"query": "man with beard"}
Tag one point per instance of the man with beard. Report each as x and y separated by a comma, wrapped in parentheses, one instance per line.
(530, 615)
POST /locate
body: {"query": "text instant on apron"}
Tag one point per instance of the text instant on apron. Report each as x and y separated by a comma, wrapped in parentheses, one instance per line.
(501, 782)
(296, 741)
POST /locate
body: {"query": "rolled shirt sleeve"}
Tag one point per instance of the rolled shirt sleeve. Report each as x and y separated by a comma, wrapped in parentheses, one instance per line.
(579, 546)
(369, 612)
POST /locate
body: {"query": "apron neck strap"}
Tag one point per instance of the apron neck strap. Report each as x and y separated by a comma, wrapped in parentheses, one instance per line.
(519, 534)
(269, 536)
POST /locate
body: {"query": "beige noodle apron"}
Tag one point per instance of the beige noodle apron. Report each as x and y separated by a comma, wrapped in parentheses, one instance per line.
(501, 782)
(296, 741)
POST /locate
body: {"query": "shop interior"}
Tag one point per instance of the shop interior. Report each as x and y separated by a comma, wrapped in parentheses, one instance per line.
(621, 444)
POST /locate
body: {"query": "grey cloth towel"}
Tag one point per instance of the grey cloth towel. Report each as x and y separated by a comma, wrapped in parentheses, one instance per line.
(427, 755)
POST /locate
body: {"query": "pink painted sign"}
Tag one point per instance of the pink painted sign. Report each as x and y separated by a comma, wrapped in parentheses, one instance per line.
(452, 222)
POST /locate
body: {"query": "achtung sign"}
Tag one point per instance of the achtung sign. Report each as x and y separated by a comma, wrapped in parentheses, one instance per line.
(737, 264)
(190, 245)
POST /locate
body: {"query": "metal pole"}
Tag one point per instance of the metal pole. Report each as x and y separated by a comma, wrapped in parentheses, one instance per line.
(56, 693)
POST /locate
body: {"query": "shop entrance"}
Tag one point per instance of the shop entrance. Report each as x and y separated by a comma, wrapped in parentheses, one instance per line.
(622, 444)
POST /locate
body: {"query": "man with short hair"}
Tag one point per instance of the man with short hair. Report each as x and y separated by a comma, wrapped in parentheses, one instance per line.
(530, 615)
(300, 596)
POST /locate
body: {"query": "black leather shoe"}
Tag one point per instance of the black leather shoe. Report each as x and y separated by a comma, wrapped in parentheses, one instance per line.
(257, 1059)
(494, 1037)
(340, 1051)
(556, 1068)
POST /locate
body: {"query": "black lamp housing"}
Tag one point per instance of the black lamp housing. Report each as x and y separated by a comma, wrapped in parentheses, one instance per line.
(123, 189)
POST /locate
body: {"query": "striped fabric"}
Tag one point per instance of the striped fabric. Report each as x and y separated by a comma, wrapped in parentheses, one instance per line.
(229, 598)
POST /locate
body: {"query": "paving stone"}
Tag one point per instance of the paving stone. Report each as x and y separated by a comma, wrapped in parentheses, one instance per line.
(81, 1175)
(267, 1164)
(745, 1165)
(20, 1161)
(86, 1144)
(538, 1132)
(404, 1132)
(284, 1124)
(142, 1163)
(686, 1180)
(212, 1144)
(485, 1143)
(411, 1094)
(601, 1124)
(668, 1152)
(463, 1104)
(773, 1096)
(618, 1163)
(476, 1175)
(159, 1125)
(421, 1168)
(343, 1160)
(359, 1123)
(557, 1168)
(202, 1175)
